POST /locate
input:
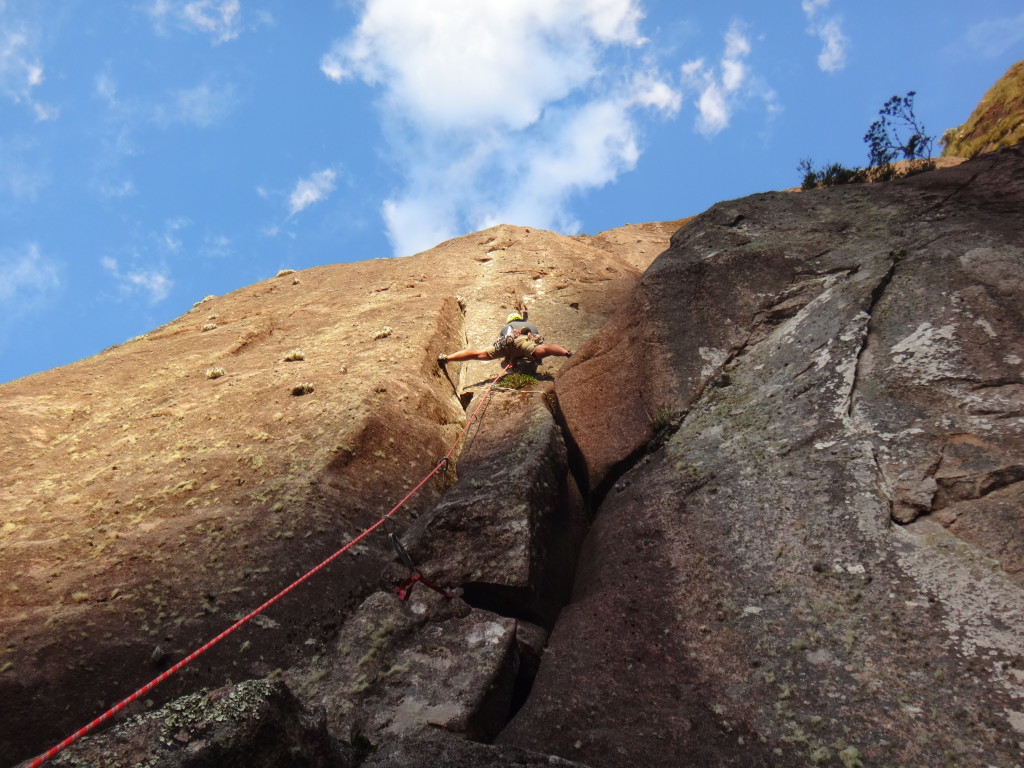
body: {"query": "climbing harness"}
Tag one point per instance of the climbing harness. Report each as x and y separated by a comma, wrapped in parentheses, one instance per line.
(505, 340)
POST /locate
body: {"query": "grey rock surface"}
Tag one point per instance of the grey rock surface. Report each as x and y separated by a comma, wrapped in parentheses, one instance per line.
(256, 723)
(508, 532)
(814, 558)
(409, 668)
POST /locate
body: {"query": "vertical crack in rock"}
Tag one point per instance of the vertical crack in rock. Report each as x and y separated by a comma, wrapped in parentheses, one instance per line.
(876, 297)
(507, 535)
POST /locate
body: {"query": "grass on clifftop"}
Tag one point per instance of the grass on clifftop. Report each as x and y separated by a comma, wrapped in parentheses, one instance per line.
(997, 121)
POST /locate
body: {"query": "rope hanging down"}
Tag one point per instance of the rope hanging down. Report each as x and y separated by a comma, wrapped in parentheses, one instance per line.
(442, 463)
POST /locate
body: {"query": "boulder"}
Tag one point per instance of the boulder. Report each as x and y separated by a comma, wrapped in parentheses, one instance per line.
(257, 723)
(406, 669)
(508, 531)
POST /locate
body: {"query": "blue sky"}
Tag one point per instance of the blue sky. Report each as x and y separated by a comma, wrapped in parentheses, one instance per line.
(154, 152)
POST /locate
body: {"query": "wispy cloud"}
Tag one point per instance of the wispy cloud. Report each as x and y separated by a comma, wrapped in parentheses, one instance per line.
(311, 190)
(203, 105)
(216, 247)
(140, 268)
(811, 6)
(21, 69)
(994, 37)
(834, 43)
(127, 117)
(221, 20)
(156, 284)
(115, 189)
(20, 178)
(29, 278)
(723, 89)
(170, 239)
(477, 97)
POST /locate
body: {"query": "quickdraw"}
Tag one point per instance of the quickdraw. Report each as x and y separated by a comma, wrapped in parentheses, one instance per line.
(404, 589)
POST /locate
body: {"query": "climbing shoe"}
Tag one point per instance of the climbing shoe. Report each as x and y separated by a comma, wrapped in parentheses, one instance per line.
(442, 360)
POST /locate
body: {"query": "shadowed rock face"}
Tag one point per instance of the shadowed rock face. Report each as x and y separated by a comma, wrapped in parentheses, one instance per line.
(833, 365)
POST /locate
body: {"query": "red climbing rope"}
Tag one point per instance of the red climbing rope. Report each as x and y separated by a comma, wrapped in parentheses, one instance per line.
(443, 462)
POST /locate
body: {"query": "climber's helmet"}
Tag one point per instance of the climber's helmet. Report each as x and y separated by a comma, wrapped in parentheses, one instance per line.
(513, 317)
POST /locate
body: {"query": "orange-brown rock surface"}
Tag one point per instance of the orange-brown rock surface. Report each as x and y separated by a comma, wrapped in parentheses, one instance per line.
(148, 502)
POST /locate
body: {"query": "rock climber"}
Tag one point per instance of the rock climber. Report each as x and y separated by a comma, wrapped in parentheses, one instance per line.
(518, 340)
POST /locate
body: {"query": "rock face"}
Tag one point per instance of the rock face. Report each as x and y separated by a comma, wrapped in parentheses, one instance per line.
(809, 547)
(159, 491)
(780, 486)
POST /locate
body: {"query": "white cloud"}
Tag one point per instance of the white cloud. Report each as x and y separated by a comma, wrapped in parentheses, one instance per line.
(583, 148)
(29, 278)
(452, 64)
(418, 222)
(488, 104)
(128, 117)
(833, 53)
(811, 6)
(995, 37)
(142, 266)
(595, 145)
(720, 91)
(156, 283)
(834, 43)
(45, 112)
(651, 92)
(106, 89)
(311, 190)
(220, 19)
(21, 71)
(330, 65)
